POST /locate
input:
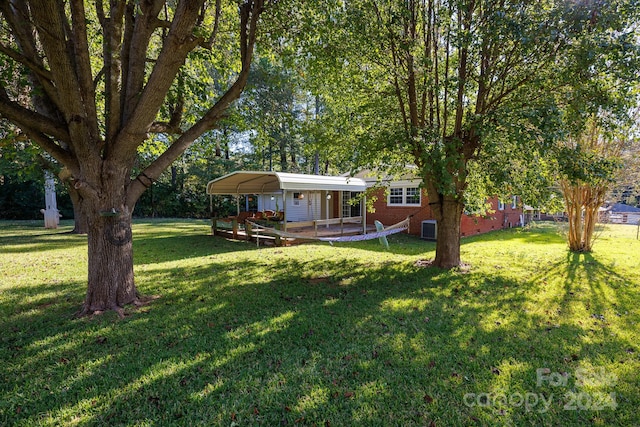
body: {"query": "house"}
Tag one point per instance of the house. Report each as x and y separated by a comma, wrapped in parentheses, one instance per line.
(322, 201)
(403, 197)
(619, 213)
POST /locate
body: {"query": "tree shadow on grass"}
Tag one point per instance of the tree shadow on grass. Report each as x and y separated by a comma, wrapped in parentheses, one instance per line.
(272, 340)
(40, 243)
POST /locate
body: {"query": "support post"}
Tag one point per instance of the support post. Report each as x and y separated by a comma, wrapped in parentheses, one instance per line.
(234, 225)
(364, 215)
(284, 210)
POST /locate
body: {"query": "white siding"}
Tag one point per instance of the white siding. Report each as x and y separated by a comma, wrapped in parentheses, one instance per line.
(308, 209)
(266, 204)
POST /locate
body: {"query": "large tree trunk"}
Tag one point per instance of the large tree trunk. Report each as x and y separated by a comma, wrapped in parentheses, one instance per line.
(110, 250)
(448, 213)
(110, 258)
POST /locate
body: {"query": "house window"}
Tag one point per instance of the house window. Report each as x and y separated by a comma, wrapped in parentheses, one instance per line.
(500, 205)
(296, 199)
(514, 202)
(395, 196)
(350, 209)
(413, 196)
(404, 196)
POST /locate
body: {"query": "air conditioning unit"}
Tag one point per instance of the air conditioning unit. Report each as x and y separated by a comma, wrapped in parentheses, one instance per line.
(429, 229)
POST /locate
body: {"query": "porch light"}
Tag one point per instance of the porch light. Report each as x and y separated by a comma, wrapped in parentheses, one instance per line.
(328, 196)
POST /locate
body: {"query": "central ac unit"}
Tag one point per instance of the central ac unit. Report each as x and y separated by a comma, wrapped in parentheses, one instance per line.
(429, 229)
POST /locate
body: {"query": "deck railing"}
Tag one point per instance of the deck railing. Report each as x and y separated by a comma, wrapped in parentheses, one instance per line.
(234, 226)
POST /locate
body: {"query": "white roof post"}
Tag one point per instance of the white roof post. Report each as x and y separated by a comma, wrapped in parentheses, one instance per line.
(364, 214)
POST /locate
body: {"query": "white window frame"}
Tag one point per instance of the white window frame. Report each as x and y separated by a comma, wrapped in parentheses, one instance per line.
(404, 196)
(500, 205)
(514, 202)
(348, 207)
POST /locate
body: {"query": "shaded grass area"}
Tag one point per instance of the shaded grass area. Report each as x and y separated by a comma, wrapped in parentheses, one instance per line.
(321, 335)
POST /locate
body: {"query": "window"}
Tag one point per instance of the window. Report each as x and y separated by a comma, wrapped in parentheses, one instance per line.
(296, 199)
(413, 196)
(404, 196)
(500, 205)
(350, 204)
(514, 202)
(395, 196)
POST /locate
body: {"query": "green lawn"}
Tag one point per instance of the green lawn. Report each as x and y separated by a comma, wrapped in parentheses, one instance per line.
(323, 335)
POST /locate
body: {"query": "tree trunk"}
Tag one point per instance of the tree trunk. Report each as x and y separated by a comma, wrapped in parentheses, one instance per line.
(80, 223)
(448, 243)
(110, 258)
(448, 213)
(582, 202)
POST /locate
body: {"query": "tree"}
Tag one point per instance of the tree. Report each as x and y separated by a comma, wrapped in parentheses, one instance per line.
(590, 162)
(106, 73)
(442, 82)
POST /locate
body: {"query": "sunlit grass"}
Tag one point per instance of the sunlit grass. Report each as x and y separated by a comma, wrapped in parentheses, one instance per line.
(349, 334)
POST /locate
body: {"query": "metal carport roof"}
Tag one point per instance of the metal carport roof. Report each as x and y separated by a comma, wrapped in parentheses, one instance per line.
(252, 182)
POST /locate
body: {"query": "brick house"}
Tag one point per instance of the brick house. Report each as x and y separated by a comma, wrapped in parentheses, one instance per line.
(404, 197)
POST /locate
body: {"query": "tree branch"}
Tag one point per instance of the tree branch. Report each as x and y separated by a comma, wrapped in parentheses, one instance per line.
(27, 62)
(47, 144)
(249, 17)
(83, 65)
(216, 26)
(29, 118)
(141, 109)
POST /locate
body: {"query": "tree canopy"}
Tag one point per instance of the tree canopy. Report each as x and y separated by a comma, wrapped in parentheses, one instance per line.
(465, 89)
(101, 78)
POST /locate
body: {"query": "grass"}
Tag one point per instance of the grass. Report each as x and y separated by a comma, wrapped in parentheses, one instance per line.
(322, 335)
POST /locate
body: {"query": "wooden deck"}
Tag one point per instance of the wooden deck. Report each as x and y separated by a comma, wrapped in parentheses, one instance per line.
(308, 229)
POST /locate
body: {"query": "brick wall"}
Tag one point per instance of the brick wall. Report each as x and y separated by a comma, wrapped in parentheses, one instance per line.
(469, 226)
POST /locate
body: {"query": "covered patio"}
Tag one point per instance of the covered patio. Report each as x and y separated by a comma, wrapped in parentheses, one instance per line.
(313, 205)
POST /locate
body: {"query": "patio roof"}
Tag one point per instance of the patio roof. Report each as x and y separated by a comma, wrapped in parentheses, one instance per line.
(252, 182)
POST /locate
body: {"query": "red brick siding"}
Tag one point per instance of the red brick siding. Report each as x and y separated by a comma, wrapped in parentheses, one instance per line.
(469, 225)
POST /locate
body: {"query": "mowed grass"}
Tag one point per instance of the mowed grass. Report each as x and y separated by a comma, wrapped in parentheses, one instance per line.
(323, 335)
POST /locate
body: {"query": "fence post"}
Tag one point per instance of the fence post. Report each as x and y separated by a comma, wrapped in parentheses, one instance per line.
(214, 225)
(248, 228)
(277, 237)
